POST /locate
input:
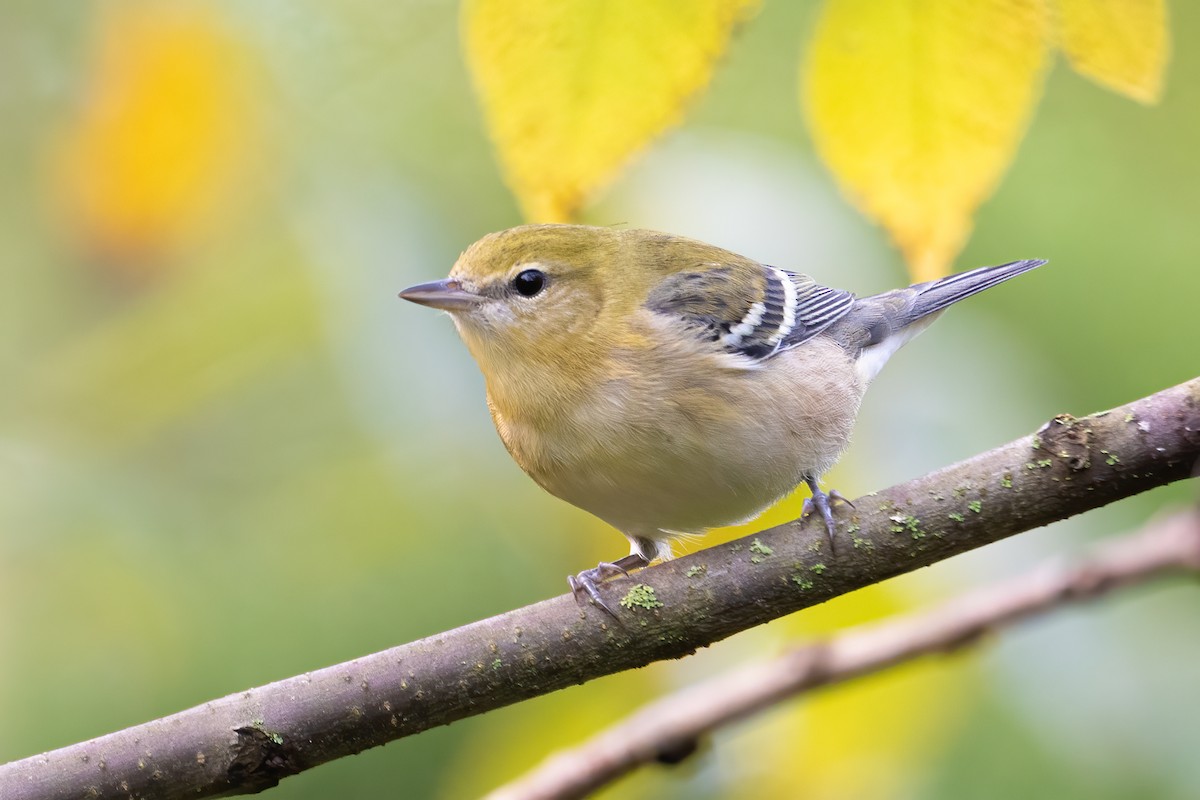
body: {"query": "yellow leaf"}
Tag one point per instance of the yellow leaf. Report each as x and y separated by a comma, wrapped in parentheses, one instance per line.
(917, 106)
(572, 90)
(1120, 44)
(162, 144)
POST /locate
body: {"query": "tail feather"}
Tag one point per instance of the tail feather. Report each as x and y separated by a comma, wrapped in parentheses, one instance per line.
(879, 326)
(936, 295)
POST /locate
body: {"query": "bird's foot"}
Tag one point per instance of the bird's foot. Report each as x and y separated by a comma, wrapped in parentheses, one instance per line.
(585, 582)
(820, 502)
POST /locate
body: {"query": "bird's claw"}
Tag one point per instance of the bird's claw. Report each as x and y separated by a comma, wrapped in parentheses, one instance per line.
(820, 502)
(834, 494)
(585, 582)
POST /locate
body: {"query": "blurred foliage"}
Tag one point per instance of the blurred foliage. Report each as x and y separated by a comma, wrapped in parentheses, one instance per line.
(918, 106)
(229, 454)
(1121, 44)
(956, 82)
(571, 91)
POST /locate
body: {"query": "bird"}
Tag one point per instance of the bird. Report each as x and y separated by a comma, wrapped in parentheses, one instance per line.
(668, 386)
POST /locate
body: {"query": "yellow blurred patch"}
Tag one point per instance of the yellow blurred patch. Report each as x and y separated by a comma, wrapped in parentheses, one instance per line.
(1120, 44)
(874, 737)
(917, 106)
(165, 136)
(870, 738)
(571, 91)
(510, 741)
(784, 510)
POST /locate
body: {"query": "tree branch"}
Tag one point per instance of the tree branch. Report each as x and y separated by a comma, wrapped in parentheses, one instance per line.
(248, 741)
(674, 724)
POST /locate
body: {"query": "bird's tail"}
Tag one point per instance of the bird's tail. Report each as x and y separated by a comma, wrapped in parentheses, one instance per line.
(929, 298)
(886, 322)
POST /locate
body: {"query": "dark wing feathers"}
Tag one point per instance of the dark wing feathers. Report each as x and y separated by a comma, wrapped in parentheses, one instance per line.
(817, 307)
(749, 308)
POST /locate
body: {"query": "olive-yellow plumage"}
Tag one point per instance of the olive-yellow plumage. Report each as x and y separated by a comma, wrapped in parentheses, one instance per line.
(666, 385)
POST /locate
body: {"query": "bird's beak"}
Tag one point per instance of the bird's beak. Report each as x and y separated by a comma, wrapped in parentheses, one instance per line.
(448, 295)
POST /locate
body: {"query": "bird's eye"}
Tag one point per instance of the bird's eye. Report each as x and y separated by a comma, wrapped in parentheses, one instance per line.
(529, 282)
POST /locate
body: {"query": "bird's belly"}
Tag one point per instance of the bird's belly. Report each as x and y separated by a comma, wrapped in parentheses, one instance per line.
(712, 454)
(685, 484)
(674, 491)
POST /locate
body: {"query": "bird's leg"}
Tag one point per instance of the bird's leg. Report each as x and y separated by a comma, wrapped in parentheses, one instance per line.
(820, 501)
(585, 582)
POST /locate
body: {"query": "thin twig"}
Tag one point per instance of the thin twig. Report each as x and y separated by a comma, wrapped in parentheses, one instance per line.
(675, 723)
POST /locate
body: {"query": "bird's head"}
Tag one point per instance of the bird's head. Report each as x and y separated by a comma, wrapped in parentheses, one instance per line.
(537, 293)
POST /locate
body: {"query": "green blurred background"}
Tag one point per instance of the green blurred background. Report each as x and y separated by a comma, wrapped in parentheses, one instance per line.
(229, 454)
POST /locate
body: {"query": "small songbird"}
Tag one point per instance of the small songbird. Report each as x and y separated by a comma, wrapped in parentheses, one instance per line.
(668, 386)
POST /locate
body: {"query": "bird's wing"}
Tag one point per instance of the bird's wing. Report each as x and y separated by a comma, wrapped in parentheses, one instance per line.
(749, 308)
(817, 307)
